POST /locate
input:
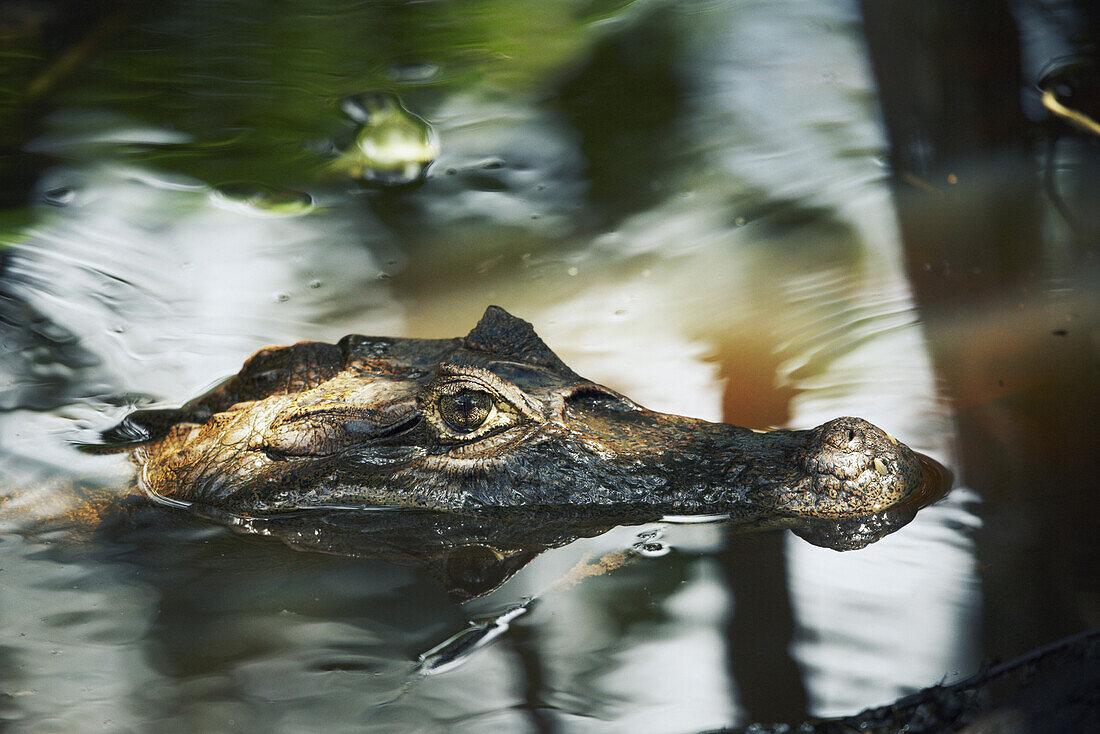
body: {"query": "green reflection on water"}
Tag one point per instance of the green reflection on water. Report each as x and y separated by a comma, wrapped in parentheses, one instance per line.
(253, 83)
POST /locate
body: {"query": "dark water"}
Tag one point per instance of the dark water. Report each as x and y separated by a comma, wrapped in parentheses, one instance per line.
(692, 202)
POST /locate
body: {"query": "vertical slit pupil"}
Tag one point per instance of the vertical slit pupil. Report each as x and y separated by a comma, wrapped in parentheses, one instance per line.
(466, 409)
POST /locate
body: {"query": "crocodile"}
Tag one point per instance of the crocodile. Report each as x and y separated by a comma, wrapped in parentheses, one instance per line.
(490, 423)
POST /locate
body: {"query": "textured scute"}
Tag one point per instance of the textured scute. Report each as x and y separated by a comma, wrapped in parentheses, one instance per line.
(273, 371)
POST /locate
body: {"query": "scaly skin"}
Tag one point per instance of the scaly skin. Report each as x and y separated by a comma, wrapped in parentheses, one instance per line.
(490, 423)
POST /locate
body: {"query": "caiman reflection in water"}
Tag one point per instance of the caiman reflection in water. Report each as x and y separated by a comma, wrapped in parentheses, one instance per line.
(474, 454)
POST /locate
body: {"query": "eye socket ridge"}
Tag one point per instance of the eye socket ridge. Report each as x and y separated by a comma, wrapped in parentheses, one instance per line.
(452, 378)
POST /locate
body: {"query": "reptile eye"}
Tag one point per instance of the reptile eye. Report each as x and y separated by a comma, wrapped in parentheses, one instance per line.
(466, 410)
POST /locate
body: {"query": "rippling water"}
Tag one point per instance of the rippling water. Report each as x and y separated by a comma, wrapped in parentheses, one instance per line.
(688, 200)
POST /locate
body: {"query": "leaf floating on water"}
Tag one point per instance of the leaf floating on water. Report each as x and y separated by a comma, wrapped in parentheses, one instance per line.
(258, 200)
(393, 146)
(457, 649)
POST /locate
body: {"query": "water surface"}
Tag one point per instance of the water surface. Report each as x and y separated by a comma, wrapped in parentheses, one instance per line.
(690, 201)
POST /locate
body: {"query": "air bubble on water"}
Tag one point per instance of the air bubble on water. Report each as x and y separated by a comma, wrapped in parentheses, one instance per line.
(651, 549)
(282, 297)
(258, 200)
(321, 146)
(359, 107)
(315, 283)
(648, 543)
(164, 181)
(414, 73)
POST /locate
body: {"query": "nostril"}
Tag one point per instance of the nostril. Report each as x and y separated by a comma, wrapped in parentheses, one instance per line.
(847, 434)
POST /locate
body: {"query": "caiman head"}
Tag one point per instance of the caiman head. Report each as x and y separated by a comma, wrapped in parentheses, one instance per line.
(490, 423)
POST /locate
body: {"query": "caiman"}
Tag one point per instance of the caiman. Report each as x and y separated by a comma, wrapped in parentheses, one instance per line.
(487, 424)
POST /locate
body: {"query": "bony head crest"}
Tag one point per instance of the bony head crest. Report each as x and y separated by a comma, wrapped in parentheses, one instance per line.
(512, 339)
